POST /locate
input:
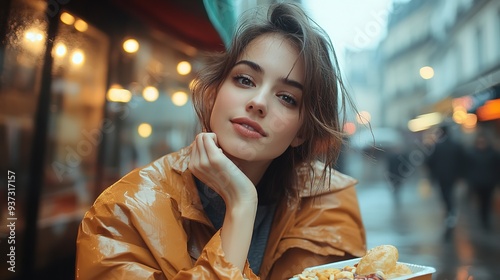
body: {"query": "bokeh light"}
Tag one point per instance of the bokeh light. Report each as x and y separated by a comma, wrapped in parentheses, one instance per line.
(184, 68)
(426, 72)
(144, 130)
(150, 93)
(179, 98)
(131, 46)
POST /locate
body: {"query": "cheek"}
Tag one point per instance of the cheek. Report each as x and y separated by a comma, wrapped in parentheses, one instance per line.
(284, 121)
(223, 102)
(225, 98)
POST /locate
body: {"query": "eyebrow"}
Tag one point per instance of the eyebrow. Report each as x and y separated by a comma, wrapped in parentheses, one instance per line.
(256, 67)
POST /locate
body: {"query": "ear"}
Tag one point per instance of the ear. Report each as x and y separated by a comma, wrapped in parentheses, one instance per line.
(297, 141)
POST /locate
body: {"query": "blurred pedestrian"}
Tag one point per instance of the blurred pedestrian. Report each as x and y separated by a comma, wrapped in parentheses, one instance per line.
(397, 171)
(482, 169)
(445, 165)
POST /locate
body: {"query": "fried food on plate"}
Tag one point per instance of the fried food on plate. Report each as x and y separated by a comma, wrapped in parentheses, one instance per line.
(379, 263)
(381, 258)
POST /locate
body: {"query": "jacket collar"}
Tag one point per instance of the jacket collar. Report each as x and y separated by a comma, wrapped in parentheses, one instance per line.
(179, 161)
(190, 203)
(312, 182)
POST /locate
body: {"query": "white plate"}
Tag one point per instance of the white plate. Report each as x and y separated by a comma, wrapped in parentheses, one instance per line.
(417, 270)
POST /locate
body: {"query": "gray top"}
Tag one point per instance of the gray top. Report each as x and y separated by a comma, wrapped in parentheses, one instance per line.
(215, 209)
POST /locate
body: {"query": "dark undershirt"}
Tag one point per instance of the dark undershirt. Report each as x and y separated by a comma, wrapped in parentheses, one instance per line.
(215, 209)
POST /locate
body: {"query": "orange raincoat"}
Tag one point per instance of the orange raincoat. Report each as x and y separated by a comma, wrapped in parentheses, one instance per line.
(151, 225)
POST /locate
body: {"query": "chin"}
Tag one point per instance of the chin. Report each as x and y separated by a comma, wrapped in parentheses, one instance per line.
(239, 150)
(243, 150)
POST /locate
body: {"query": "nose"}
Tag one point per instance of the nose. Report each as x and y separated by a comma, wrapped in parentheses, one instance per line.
(258, 104)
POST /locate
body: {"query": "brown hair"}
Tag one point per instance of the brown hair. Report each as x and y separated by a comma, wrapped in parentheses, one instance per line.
(321, 107)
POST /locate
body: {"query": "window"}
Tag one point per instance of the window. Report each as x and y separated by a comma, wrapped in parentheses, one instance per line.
(498, 35)
(458, 61)
(479, 48)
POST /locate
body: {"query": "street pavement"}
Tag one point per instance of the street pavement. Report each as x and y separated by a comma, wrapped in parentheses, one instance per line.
(414, 223)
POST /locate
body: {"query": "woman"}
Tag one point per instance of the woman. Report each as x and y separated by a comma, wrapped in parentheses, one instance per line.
(255, 195)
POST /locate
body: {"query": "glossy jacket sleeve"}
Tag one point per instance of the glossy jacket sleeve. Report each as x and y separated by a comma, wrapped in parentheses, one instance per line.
(139, 235)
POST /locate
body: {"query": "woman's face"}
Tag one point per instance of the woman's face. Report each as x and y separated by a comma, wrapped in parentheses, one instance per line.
(256, 111)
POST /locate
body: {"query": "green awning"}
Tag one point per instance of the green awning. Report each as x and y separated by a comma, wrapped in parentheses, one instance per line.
(222, 15)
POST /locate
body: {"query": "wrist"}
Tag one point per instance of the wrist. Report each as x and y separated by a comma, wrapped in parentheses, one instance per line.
(242, 208)
(242, 195)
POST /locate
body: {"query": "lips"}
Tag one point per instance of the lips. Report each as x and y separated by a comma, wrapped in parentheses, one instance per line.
(248, 128)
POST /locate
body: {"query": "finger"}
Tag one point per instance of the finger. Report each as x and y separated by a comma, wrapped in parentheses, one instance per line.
(198, 157)
(210, 142)
(202, 153)
(214, 153)
(213, 136)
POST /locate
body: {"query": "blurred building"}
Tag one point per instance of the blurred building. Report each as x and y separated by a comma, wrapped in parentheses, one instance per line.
(88, 91)
(365, 81)
(403, 52)
(439, 60)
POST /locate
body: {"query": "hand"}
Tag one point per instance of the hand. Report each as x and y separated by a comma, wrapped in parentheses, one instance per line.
(209, 164)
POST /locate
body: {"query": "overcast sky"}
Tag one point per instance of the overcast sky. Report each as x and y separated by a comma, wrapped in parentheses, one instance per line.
(354, 24)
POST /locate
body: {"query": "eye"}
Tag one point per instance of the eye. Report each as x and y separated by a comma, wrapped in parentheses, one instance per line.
(288, 99)
(244, 80)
